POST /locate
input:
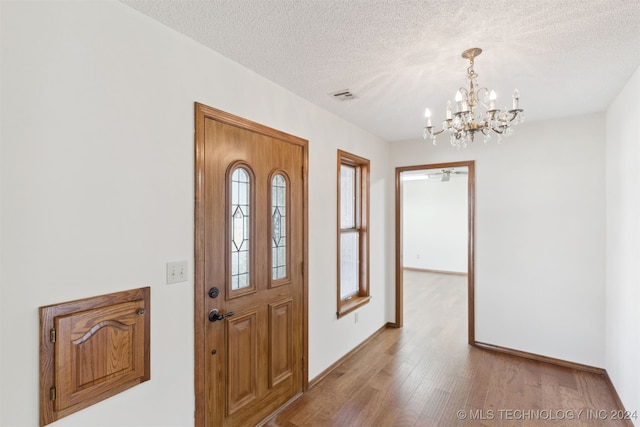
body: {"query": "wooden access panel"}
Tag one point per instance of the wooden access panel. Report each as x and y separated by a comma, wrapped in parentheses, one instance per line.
(92, 349)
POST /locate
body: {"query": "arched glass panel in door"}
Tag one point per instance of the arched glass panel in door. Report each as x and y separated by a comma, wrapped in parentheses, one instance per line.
(240, 228)
(278, 227)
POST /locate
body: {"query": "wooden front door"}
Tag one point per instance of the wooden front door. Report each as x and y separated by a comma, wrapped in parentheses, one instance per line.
(250, 253)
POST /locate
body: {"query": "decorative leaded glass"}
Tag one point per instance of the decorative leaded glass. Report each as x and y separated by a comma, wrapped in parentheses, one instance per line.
(240, 201)
(278, 227)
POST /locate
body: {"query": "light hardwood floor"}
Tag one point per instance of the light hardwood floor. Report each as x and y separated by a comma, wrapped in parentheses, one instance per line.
(425, 374)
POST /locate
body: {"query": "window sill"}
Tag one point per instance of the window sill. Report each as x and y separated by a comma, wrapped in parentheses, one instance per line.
(352, 304)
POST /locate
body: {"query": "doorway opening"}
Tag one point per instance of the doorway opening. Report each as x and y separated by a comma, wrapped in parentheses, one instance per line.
(447, 262)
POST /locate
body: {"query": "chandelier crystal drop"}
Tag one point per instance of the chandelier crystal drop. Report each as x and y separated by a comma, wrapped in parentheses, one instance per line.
(468, 119)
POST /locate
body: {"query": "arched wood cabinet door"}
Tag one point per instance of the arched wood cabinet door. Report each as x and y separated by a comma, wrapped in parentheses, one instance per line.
(92, 349)
(250, 247)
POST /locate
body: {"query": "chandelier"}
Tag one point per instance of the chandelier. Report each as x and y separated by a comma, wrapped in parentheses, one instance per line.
(468, 120)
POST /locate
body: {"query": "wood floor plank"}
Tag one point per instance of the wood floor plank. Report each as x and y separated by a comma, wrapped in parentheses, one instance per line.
(426, 375)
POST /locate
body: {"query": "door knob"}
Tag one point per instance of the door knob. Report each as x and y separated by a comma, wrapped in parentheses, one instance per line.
(214, 315)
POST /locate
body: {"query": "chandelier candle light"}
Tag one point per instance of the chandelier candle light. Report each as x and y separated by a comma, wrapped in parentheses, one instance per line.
(466, 121)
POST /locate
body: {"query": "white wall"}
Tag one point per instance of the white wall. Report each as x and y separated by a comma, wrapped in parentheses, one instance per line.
(434, 234)
(623, 248)
(540, 235)
(97, 193)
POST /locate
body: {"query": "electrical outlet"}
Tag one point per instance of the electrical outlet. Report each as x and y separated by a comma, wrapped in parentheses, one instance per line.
(176, 272)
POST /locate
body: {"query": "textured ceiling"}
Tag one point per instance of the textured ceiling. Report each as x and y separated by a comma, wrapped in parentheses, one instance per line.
(398, 57)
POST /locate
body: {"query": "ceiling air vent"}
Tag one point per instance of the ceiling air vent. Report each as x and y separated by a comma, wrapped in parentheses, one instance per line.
(343, 95)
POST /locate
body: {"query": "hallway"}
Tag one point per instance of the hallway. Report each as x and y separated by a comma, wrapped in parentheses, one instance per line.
(425, 374)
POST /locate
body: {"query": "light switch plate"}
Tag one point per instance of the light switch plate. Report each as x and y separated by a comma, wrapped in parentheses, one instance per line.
(176, 272)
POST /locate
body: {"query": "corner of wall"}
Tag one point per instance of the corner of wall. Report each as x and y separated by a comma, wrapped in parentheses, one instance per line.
(622, 318)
